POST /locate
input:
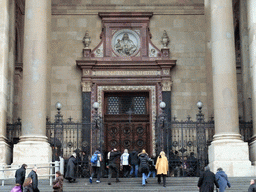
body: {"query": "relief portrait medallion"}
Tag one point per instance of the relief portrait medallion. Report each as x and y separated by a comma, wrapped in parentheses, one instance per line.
(126, 42)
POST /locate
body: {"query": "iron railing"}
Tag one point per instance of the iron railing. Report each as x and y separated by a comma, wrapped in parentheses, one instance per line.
(179, 139)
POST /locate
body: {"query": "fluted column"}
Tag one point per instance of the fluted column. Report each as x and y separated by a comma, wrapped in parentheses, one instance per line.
(34, 92)
(4, 49)
(227, 149)
(251, 16)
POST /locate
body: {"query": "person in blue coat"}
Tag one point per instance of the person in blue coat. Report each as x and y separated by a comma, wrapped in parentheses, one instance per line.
(222, 180)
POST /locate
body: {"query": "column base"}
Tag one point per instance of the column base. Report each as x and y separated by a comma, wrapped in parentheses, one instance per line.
(33, 153)
(233, 157)
(5, 151)
(252, 149)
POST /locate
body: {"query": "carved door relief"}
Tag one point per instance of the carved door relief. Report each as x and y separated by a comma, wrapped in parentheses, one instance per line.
(127, 121)
(127, 136)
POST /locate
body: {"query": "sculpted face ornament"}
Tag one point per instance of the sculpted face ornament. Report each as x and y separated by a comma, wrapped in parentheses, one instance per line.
(125, 45)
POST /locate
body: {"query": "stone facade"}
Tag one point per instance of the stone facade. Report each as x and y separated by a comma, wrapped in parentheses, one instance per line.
(188, 25)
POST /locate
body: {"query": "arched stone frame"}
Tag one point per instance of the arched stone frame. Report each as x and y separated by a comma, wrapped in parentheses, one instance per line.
(152, 99)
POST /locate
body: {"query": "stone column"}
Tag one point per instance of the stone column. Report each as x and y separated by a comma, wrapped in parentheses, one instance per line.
(4, 49)
(33, 146)
(208, 57)
(247, 89)
(251, 16)
(227, 149)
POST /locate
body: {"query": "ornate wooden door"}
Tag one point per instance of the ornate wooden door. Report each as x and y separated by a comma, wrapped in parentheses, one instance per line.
(127, 121)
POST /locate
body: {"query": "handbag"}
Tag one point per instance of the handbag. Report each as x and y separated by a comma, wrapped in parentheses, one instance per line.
(56, 185)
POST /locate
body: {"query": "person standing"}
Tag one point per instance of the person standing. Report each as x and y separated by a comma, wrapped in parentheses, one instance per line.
(152, 169)
(222, 180)
(134, 163)
(207, 180)
(125, 162)
(58, 182)
(34, 177)
(28, 185)
(71, 168)
(161, 168)
(20, 175)
(252, 187)
(144, 168)
(113, 156)
(95, 160)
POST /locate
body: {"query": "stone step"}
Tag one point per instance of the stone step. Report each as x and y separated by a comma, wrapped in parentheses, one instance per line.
(177, 184)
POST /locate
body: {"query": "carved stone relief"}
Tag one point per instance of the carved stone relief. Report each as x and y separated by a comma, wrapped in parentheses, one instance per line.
(126, 73)
(86, 86)
(125, 42)
(166, 85)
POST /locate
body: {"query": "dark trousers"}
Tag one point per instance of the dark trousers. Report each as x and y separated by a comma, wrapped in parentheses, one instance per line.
(96, 170)
(159, 179)
(112, 167)
(126, 169)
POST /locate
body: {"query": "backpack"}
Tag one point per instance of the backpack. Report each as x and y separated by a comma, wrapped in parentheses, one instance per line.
(94, 158)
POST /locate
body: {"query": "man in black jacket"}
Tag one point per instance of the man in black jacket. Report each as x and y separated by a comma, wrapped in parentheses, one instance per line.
(33, 176)
(252, 187)
(134, 163)
(207, 180)
(20, 175)
(113, 156)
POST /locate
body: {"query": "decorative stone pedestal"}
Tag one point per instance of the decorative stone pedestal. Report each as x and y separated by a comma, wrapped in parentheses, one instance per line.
(232, 156)
(5, 151)
(33, 153)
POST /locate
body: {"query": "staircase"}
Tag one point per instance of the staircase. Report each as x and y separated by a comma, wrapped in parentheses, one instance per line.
(177, 184)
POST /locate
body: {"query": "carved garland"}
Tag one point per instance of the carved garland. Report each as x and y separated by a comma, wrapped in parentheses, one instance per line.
(152, 89)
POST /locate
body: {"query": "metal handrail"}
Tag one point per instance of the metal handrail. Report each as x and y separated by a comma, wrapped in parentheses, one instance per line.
(57, 165)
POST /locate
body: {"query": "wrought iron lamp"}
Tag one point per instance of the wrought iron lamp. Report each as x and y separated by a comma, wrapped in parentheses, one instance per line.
(161, 125)
(58, 116)
(200, 115)
(97, 127)
(96, 115)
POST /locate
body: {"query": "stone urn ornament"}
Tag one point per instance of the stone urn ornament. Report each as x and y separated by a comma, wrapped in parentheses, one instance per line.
(165, 39)
(86, 40)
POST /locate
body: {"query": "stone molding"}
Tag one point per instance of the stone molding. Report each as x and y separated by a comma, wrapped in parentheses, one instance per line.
(153, 97)
(169, 9)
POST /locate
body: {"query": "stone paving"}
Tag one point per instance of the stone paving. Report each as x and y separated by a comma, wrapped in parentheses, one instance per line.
(186, 184)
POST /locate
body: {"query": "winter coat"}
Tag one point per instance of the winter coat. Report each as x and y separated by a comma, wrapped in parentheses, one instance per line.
(143, 161)
(161, 165)
(222, 180)
(113, 157)
(28, 188)
(71, 168)
(133, 158)
(125, 159)
(206, 182)
(252, 188)
(20, 175)
(60, 180)
(151, 164)
(16, 189)
(34, 178)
